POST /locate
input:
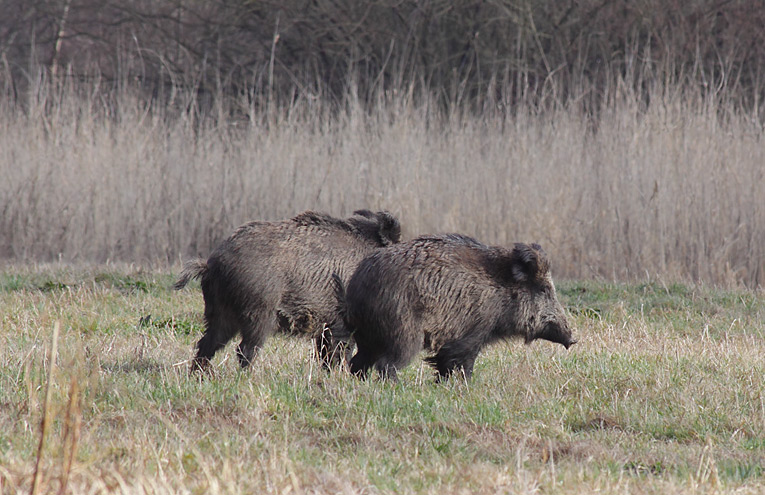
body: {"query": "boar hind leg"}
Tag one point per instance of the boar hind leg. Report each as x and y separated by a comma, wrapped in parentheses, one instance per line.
(255, 331)
(246, 351)
(220, 329)
(398, 352)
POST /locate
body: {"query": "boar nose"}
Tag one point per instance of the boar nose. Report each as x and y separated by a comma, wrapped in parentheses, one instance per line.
(571, 342)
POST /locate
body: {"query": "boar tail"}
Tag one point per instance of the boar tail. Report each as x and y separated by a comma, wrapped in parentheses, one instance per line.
(191, 269)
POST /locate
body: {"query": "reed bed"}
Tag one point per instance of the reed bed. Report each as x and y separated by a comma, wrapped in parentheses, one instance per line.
(669, 187)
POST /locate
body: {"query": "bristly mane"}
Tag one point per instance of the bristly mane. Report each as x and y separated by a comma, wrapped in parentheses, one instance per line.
(316, 219)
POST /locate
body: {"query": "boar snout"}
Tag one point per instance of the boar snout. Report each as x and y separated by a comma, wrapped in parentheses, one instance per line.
(559, 334)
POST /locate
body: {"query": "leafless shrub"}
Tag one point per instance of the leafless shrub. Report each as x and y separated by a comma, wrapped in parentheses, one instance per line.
(482, 54)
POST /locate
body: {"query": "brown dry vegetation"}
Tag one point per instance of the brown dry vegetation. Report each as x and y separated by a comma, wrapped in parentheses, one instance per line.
(672, 189)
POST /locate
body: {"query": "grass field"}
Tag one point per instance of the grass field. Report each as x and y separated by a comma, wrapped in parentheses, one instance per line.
(663, 394)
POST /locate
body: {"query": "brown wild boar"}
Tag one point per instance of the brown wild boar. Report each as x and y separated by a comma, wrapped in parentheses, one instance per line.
(451, 295)
(278, 275)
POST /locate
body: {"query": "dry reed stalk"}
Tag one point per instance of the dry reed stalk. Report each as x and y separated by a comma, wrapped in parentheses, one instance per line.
(46, 419)
(59, 39)
(71, 432)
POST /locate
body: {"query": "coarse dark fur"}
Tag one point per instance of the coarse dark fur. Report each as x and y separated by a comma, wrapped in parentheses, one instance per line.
(450, 295)
(278, 275)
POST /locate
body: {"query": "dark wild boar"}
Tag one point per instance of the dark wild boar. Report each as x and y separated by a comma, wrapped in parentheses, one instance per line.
(278, 275)
(451, 295)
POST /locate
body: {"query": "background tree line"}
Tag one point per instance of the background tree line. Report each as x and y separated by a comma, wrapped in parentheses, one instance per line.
(484, 53)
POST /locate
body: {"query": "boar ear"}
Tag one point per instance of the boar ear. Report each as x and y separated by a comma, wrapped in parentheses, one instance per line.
(364, 213)
(389, 228)
(528, 262)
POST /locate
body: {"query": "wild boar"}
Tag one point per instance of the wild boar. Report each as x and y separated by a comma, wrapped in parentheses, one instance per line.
(278, 275)
(450, 295)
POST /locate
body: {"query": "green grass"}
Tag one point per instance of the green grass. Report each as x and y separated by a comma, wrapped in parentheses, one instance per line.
(663, 394)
